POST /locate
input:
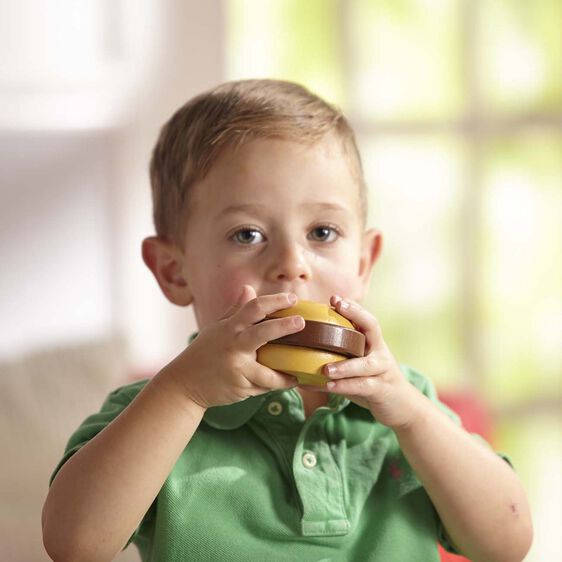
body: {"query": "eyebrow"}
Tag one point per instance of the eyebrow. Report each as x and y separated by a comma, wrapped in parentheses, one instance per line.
(256, 207)
(326, 206)
(245, 207)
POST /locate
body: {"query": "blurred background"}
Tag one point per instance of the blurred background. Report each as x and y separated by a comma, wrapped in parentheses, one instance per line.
(457, 106)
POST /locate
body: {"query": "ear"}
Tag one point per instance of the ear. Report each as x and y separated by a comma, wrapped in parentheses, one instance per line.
(370, 251)
(165, 260)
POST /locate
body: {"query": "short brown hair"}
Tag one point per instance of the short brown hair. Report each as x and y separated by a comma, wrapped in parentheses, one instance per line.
(229, 115)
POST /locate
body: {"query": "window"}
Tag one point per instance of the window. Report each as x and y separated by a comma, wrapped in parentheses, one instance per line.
(457, 105)
(457, 108)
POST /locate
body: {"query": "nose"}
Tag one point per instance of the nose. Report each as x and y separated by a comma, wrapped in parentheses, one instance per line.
(289, 263)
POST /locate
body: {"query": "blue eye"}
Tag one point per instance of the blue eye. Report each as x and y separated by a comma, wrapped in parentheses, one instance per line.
(248, 236)
(324, 233)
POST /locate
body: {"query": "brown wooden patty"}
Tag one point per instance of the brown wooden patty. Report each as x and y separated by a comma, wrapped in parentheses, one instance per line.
(327, 337)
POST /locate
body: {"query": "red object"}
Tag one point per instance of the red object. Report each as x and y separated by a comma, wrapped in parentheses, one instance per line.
(448, 557)
(476, 418)
(473, 411)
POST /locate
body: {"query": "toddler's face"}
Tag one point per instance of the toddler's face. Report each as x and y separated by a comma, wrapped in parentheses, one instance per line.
(279, 216)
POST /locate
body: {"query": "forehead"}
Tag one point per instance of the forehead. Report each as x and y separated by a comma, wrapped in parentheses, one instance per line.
(275, 174)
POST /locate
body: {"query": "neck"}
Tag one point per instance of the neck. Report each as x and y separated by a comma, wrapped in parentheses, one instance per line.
(312, 400)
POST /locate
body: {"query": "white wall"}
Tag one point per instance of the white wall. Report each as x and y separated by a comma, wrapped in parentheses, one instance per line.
(55, 281)
(190, 60)
(74, 191)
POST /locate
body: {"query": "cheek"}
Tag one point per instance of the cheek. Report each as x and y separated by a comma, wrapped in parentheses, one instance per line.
(344, 288)
(333, 281)
(229, 285)
(340, 276)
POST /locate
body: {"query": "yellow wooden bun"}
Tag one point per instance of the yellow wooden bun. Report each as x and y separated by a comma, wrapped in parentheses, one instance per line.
(303, 362)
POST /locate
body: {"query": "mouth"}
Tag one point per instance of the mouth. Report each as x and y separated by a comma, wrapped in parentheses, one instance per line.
(301, 295)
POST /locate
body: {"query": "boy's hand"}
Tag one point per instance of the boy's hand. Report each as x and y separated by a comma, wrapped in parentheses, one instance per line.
(374, 381)
(220, 367)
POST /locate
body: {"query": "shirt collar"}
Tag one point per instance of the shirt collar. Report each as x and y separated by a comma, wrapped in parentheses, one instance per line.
(233, 416)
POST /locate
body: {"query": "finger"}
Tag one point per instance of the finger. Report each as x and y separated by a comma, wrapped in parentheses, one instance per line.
(366, 366)
(246, 294)
(358, 386)
(258, 308)
(290, 380)
(259, 334)
(363, 321)
(267, 378)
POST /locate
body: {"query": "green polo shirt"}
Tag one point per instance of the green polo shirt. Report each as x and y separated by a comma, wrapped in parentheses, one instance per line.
(259, 482)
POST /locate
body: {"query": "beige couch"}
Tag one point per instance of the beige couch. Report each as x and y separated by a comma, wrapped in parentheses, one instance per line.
(43, 398)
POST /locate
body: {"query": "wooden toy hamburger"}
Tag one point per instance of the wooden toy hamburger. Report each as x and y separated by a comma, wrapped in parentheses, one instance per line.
(327, 337)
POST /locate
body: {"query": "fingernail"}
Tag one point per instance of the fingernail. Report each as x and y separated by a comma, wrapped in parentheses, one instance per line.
(330, 369)
(292, 298)
(330, 384)
(344, 304)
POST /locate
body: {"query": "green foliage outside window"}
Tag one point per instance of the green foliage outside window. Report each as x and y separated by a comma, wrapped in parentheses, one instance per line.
(457, 105)
(453, 185)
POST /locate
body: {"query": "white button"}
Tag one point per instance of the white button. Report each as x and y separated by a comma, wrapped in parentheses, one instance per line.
(309, 460)
(275, 408)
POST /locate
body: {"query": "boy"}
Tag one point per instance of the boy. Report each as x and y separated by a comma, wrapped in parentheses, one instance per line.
(259, 200)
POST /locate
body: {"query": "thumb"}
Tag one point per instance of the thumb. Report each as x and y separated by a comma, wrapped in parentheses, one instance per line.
(246, 294)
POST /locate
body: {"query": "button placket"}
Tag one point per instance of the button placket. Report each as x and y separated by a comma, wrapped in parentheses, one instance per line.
(319, 482)
(275, 408)
(309, 460)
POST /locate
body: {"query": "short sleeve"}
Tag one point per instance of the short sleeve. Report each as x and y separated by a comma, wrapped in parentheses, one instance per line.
(114, 404)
